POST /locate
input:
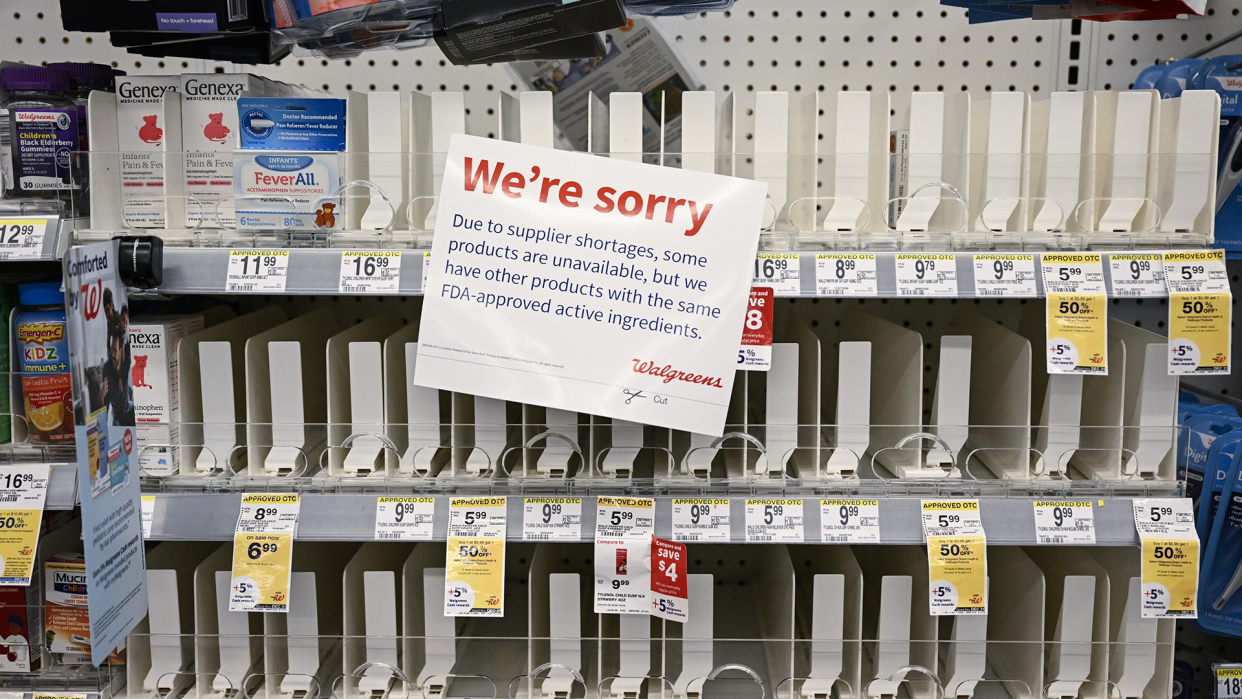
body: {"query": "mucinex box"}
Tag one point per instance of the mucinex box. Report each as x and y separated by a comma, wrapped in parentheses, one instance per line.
(140, 137)
(209, 135)
(155, 380)
(67, 622)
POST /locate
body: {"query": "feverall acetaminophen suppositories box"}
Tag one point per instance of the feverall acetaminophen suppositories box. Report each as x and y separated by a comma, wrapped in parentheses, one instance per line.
(209, 134)
(140, 137)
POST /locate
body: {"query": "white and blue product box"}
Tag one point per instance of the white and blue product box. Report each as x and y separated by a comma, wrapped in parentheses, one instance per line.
(1228, 83)
(288, 168)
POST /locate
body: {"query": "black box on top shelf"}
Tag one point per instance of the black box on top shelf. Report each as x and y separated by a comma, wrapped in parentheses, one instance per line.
(256, 49)
(189, 16)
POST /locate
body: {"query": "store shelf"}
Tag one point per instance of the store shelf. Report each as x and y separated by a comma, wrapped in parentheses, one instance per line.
(351, 517)
(316, 271)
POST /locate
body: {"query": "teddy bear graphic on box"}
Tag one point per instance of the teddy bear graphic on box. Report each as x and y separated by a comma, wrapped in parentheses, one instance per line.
(215, 130)
(150, 133)
(140, 372)
(324, 218)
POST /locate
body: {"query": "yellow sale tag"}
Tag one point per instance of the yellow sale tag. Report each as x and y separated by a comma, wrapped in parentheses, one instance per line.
(1077, 334)
(23, 489)
(263, 553)
(1170, 563)
(1199, 333)
(475, 558)
(956, 557)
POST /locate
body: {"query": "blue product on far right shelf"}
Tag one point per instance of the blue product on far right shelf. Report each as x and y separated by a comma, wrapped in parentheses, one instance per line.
(1221, 460)
(1220, 605)
(1224, 75)
(1194, 443)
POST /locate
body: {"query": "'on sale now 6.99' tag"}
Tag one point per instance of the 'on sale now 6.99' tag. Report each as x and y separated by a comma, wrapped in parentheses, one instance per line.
(756, 351)
(263, 553)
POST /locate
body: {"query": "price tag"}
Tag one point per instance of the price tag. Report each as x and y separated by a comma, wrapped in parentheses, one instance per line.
(552, 519)
(257, 271)
(774, 519)
(1072, 273)
(370, 272)
(1228, 680)
(57, 695)
(1005, 276)
(474, 559)
(926, 275)
(1170, 563)
(623, 533)
(22, 238)
(781, 271)
(756, 351)
(1064, 522)
(701, 519)
(263, 553)
(404, 519)
(1137, 275)
(956, 557)
(849, 521)
(845, 274)
(147, 512)
(670, 591)
(1200, 312)
(23, 489)
(1077, 333)
(426, 271)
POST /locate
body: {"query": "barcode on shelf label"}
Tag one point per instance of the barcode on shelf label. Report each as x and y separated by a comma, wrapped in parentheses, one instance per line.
(774, 519)
(370, 272)
(1136, 275)
(780, 271)
(552, 519)
(261, 271)
(404, 518)
(1006, 275)
(926, 275)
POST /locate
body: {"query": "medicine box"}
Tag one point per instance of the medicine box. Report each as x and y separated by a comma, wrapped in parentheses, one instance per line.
(140, 138)
(154, 377)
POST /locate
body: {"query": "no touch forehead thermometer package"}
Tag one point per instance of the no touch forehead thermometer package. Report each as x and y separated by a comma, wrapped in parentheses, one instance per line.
(1221, 579)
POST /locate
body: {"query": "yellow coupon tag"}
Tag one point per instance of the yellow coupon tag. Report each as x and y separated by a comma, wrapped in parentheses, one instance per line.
(23, 489)
(1170, 563)
(263, 553)
(475, 558)
(956, 557)
(1077, 334)
(1199, 333)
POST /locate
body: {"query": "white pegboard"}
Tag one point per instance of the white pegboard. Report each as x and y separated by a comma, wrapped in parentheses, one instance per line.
(794, 45)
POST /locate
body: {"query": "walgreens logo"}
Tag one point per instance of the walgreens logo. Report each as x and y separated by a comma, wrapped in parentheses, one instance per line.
(670, 374)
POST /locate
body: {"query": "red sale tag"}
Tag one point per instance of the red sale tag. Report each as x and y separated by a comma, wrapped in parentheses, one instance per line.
(756, 351)
(669, 589)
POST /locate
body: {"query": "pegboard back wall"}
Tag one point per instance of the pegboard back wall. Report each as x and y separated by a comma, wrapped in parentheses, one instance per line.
(898, 46)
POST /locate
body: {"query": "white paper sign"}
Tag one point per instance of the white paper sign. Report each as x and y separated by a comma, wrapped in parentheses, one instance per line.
(849, 521)
(257, 271)
(370, 272)
(623, 529)
(774, 519)
(1064, 522)
(845, 274)
(148, 514)
(700, 519)
(404, 518)
(577, 282)
(552, 519)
